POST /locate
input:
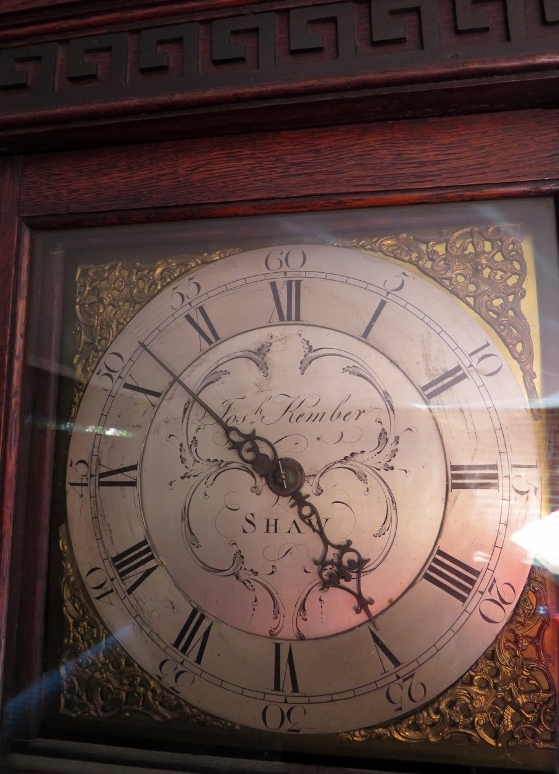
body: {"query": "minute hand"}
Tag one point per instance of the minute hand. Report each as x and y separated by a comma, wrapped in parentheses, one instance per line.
(247, 445)
(285, 477)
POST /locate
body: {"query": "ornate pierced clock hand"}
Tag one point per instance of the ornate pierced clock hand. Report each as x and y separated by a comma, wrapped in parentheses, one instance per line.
(285, 477)
(246, 444)
(346, 563)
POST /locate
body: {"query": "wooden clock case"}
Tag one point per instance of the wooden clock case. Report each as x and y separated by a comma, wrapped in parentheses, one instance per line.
(290, 106)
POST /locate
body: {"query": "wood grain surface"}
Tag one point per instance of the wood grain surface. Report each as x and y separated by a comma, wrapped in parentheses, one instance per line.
(13, 290)
(69, 67)
(41, 380)
(442, 153)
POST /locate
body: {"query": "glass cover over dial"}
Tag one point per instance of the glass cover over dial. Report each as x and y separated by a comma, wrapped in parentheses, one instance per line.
(294, 500)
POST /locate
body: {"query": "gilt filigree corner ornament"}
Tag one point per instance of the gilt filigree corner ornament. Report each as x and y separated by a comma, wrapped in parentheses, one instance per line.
(506, 699)
(109, 295)
(483, 266)
(99, 679)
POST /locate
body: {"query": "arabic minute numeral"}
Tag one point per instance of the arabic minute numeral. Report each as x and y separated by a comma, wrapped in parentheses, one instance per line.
(384, 653)
(492, 608)
(179, 297)
(396, 283)
(112, 365)
(474, 477)
(136, 562)
(280, 680)
(405, 691)
(106, 477)
(374, 318)
(293, 259)
(488, 364)
(203, 326)
(292, 310)
(276, 718)
(520, 483)
(172, 676)
(99, 584)
(451, 575)
(193, 635)
(81, 471)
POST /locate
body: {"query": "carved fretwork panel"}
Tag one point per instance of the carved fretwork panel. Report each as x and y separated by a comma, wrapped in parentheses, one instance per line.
(188, 60)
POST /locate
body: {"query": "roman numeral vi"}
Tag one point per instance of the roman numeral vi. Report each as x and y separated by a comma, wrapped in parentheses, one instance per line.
(288, 672)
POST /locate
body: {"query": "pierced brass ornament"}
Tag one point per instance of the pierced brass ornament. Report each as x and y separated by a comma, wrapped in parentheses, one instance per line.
(506, 699)
(109, 295)
(99, 678)
(484, 267)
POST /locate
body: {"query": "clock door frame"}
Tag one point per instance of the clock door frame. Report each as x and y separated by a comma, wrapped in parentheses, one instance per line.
(446, 159)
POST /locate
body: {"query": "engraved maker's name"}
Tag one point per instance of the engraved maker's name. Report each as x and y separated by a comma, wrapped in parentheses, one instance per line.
(296, 409)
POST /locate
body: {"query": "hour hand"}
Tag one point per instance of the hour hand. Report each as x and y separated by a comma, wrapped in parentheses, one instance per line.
(283, 476)
(257, 452)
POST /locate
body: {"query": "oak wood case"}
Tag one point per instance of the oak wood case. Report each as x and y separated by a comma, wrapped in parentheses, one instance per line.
(302, 148)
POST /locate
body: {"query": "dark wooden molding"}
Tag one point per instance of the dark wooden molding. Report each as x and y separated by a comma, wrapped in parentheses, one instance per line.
(302, 204)
(214, 58)
(355, 160)
(46, 755)
(14, 279)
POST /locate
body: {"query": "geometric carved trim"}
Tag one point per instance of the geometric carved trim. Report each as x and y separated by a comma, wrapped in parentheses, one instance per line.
(469, 19)
(385, 25)
(301, 39)
(64, 73)
(506, 699)
(99, 678)
(109, 295)
(484, 267)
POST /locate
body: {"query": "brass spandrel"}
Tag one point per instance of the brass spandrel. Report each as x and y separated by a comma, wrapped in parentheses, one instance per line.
(483, 266)
(109, 295)
(506, 699)
(99, 679)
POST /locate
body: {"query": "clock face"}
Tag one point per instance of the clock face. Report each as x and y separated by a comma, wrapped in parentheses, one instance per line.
(413, 446)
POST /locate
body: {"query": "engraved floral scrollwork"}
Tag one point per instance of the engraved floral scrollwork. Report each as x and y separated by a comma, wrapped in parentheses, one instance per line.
(484, 267)
(99, 678)
(506, 699)
(109, 295)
